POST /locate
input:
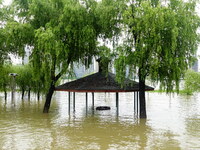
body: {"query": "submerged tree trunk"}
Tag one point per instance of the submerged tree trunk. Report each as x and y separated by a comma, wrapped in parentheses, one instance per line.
(48, 98)
(54, 79)
(142, 96)
(29, 93)
(38, 95)
(23, 91)
(5, 91)
(5, 94)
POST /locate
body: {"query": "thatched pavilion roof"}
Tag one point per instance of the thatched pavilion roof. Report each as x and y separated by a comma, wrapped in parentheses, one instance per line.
(100, 82)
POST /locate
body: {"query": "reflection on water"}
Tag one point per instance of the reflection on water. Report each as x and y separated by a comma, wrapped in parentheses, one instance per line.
(173, 123)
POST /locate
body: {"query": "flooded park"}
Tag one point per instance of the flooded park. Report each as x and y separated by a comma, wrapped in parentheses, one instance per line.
(108, 51)
(173, 122)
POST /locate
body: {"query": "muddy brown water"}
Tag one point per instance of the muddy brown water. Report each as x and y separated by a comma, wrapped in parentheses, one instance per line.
(173, 123)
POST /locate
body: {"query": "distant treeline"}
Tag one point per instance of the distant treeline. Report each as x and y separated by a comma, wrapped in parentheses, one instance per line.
(26, 81)
(192, 82)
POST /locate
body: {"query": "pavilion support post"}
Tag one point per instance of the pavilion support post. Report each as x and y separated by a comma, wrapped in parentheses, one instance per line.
(86, 97)
(74, 101)
(117, 102)
(138, 103)
(92, 100)
(134, 102)
(69, 102)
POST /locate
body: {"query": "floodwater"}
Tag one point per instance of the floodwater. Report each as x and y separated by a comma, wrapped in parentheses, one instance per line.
(173, 123)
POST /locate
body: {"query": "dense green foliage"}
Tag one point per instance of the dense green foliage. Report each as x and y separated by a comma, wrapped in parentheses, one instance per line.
(192, 82)
(65, 31)
(61, 32)
(3, 52)
(6, 45)
(5, 79)
(161, 41)
(25, 81)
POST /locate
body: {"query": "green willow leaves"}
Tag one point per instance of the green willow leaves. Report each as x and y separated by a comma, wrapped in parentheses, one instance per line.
(161, 40)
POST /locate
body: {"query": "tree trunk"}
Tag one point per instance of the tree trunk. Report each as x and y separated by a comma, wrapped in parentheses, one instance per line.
(142, 96)
(38, 95)
(29, 93)
(23, 91)
(5, 94)
(48, 98)
(54, 79)
(5, 91)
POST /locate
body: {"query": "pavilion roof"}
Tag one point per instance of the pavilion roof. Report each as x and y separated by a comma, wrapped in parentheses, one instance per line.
(100, 82)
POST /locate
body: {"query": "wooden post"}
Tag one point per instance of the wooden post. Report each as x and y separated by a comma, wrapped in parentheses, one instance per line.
(69, 102)
(74, 101)
(92, 100)
(138, 103)
(117, 102)
(134, 102)
(86, 94)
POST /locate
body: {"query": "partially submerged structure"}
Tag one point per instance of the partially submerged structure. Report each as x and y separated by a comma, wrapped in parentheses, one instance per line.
(102, 82)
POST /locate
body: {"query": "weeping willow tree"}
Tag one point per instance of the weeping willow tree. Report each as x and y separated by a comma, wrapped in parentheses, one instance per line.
(27, 81)
(24, 79)
(60, 32)
(5, 79)
(160, 44)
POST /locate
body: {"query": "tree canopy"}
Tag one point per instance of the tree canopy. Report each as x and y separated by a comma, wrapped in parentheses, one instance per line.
(3, 52)
(161, 40)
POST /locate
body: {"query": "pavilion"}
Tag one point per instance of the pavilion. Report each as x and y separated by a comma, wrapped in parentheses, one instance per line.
(102, 82)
